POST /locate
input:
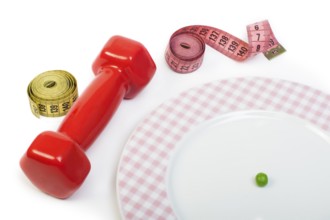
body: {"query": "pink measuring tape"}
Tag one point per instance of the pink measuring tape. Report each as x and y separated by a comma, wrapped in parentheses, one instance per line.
(184, 53)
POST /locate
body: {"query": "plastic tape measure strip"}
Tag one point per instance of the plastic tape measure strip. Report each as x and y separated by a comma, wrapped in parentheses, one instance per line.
(52, 93)
(184, 53)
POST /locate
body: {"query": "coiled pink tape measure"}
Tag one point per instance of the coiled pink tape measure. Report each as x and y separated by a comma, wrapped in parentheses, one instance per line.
(184, 53)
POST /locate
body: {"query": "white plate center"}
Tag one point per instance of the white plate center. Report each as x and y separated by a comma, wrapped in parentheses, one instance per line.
(211, 172)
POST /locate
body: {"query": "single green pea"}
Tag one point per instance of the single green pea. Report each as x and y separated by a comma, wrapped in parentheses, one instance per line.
(261, 179)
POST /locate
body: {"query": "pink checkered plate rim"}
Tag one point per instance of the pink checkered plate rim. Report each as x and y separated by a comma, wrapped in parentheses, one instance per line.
(141, 177)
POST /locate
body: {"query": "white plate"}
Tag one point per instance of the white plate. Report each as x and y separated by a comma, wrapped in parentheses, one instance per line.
(211, 173)
(195, 156)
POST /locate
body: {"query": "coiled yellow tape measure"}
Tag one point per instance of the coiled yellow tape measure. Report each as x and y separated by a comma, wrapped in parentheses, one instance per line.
(52, 93)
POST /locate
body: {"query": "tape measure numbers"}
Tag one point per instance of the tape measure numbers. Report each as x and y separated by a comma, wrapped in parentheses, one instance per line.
(184, 53)
(52, 93)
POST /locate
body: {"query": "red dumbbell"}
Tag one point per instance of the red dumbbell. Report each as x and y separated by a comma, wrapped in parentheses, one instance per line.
(55, 162)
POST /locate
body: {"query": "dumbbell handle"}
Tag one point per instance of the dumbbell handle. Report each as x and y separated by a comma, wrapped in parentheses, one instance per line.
(95, 107)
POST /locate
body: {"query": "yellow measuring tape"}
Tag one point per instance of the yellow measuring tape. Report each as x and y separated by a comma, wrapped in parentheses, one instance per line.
(52, 93)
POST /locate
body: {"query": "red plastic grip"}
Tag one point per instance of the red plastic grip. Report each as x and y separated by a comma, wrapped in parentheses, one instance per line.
(94, 108)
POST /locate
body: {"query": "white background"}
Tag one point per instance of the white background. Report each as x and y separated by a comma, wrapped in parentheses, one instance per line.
(36, 36)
